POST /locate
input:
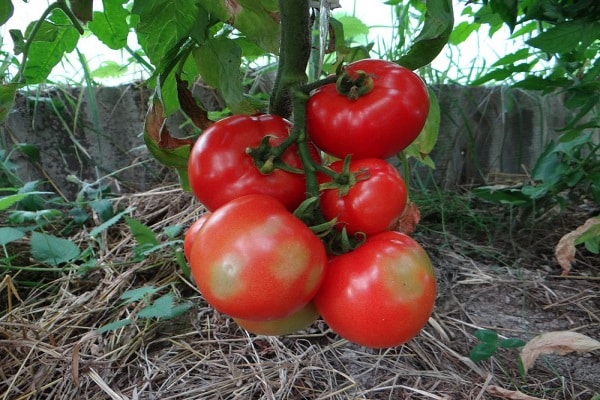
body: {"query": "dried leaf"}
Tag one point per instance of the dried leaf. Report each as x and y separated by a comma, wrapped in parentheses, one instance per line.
(509, 394)
(191, 106)
(565, 249)
(561, 342)
(156, 130)
(409, 219)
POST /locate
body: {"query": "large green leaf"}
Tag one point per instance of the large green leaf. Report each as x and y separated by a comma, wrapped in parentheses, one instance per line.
(110, 26)
(218, 61)
(422, 146)
(53, 250)
(257, 20)
(507, 10)
(7, 99)
(6, 11)
(163, 24)
(439, 20)
(45, 54)
(567, 36)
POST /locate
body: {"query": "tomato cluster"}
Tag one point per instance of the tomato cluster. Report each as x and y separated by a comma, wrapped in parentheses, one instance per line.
(276, 272)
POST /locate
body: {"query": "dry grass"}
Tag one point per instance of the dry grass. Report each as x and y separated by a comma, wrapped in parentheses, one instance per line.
(49, 347)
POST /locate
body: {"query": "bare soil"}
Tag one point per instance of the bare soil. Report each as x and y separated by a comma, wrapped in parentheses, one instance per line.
(506, 280)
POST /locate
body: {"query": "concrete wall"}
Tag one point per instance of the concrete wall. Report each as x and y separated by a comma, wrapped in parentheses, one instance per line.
(483, 131)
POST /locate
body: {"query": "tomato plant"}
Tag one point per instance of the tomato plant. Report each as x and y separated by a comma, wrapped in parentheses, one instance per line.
(254, 260)
(297, 321)
(376, 110)
(220, 168)
(370, 201)
(381, 294)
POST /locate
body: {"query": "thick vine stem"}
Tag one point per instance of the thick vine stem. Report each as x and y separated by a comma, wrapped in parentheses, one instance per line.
(294, 54)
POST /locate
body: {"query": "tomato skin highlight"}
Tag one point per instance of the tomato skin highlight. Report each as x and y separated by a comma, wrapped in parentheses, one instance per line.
(295, 322)
(381, 294)
(254, 260)
(378, 124)
(220, 170)
(372, 205)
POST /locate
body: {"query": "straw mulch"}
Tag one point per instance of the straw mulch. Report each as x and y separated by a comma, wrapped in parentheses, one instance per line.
(50, 349)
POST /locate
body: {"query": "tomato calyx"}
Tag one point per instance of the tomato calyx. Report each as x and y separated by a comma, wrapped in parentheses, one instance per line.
(344, 180)
(267, 158)
(356, 85)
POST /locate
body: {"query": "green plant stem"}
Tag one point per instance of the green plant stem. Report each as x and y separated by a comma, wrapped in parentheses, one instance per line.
(59, 5)
(294, 54)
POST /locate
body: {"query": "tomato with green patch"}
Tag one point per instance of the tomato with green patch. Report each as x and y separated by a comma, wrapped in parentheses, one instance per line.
(381, 294)
(254, 260)
(295, 322)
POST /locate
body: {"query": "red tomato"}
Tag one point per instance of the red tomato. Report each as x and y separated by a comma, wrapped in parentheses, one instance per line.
(219, 170)
(378, 124)
(297, 321)
(191, 233)
(381, 294)
(255, 260)
(371, 205)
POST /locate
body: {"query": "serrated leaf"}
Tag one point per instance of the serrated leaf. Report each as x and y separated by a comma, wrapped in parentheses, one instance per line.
(8, 201)
(8, 234)
(7, 99)
(105, 225)
(164, 307)
(218, 61)
(53, 250)
(114, 325)
(110, 26)
(566, 36)
(439, 20)
(163, 23)
(138, 294)
(142, 234)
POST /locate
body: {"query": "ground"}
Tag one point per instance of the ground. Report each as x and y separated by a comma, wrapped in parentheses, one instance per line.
(490, 276)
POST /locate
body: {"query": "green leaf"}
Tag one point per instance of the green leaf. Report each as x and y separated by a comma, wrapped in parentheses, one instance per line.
(32, 151)
(439, 20)
(422, 146)
(109, 69)
(567, 36)
(257, 20)
(163, 24)
(53, 250)
(507, 10)
(110, 26)
(104, 209)
(591, 238)
(482, 351)
(8, 201)
(172, 231)
(512, 58)
(105, 225)
(507, 196)
(142, 234)
(7, 98)
(486, 335)
(353, 26)
(8, 234)
(164, 307)
(138, 294)
(45, 55)
(114, 325)
(462, 31)
(218, 61)
(6, 11)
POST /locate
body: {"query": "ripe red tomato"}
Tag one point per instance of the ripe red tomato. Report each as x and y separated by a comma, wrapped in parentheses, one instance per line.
(381, 294)
(297, 321)
(373, 204)
(378, 124)
(191, 233)
(255, 260)
(220, 170)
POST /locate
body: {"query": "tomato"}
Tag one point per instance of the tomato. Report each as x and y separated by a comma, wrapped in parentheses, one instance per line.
(190, 234)
(378, 124)
(295, 322)
(255, 260)
(381, 294)
(373, 204)
(219, 169)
